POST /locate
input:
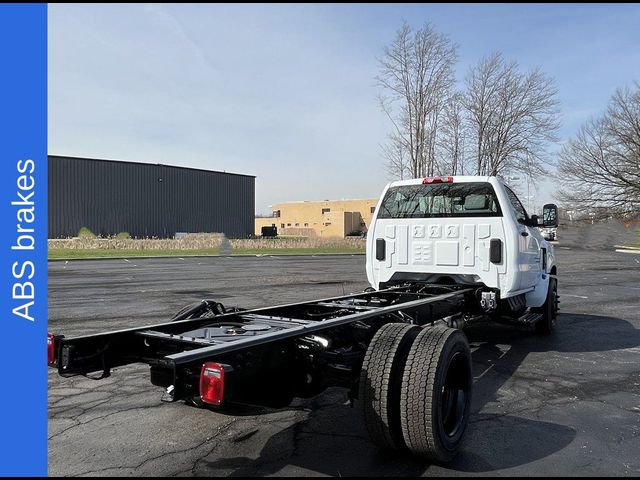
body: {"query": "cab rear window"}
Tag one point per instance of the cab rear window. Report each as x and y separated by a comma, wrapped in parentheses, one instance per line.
(476, 199)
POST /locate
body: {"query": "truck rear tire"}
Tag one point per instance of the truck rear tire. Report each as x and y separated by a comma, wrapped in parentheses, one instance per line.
(549, 310)
(435, 397)
(380, 379)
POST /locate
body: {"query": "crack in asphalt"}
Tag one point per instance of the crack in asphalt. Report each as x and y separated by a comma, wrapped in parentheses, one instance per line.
(220, 430)
(101, 417)
(192, 470)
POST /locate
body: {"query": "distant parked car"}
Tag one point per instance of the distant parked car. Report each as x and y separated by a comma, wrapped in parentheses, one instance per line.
(270, 231)
(549, 233)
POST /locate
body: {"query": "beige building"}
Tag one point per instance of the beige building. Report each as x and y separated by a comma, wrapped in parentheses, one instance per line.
(328, 218)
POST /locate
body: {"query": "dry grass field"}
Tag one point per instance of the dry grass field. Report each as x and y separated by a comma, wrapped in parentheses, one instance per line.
(200, 244)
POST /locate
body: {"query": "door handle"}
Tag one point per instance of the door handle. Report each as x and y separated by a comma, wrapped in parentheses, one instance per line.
(524, 234)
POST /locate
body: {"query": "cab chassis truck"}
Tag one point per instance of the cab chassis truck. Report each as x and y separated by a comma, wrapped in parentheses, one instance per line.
(398, 347)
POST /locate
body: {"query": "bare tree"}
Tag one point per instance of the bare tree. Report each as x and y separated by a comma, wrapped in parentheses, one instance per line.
(416, 74)
(513, 117)
(396, 158)
(600, 167)
(452, 138)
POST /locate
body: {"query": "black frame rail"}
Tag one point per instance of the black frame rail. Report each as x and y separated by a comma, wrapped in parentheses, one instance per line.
(170, 344)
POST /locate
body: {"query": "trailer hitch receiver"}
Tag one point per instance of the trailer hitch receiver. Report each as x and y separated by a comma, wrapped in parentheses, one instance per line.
(488, 301)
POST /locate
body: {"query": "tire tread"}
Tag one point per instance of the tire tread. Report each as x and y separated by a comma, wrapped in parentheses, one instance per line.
(418, 415)
(379, 383)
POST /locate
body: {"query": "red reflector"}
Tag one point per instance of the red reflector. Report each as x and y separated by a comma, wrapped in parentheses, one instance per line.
(51, 350)
(429, 180)
(212, 383)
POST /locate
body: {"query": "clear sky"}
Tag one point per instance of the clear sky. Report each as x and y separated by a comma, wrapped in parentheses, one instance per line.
(287, 93)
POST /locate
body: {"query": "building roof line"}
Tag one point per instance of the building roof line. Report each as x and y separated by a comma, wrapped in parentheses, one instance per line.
(328, 201)
(149, 163)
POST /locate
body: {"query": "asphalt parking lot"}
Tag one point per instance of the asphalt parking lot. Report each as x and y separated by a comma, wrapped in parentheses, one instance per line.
(568, 404)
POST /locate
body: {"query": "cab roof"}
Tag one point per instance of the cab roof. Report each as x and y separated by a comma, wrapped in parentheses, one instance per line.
(444, 179)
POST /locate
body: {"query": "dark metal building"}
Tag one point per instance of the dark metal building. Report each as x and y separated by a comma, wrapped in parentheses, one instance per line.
(146, 200)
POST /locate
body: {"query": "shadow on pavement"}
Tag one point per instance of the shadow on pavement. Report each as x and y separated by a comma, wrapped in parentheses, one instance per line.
(333, 440)
(509, 441)
(574, 333)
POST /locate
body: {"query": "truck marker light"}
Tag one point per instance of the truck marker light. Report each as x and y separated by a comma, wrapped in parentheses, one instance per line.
(212, 383)
(51, 350)
(429, 180)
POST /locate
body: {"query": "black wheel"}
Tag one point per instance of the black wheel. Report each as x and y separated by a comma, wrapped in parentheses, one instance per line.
(435, 397)
(380, 379)
(549, 310)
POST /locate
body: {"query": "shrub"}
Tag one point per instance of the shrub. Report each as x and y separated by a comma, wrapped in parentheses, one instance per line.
(86, 233)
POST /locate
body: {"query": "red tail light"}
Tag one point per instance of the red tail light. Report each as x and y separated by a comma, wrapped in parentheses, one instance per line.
(429, 180)
(212, 383)
(51, 349)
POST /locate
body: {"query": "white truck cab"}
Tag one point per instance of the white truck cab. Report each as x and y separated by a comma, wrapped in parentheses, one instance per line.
(465, 230)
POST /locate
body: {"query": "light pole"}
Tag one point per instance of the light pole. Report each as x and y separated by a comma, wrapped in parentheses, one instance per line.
(529, 197)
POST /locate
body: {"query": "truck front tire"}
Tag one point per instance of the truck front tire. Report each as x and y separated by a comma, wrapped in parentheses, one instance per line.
(549, 310)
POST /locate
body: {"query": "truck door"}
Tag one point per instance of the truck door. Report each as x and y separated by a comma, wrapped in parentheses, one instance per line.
(528, 245)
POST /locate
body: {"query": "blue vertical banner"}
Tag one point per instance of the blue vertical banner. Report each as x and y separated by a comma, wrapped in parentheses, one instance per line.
(23, 239)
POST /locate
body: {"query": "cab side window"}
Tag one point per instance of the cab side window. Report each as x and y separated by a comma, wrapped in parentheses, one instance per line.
(521, 213)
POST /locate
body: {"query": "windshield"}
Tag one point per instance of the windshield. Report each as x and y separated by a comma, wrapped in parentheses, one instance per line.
(476, 199)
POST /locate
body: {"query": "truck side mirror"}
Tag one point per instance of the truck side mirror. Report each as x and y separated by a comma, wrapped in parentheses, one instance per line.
(550, 215)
